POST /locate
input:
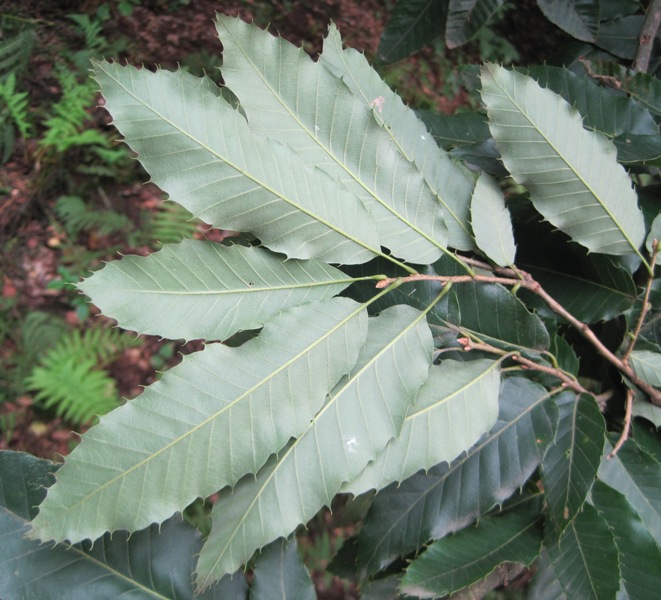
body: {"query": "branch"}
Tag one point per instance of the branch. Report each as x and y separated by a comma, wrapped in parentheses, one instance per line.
(525, 280)
(647, 34)
(526, 363)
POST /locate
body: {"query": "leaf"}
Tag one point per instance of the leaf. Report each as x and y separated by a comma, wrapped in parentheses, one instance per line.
(209, 421)
(585, 558)
(296, 101)
(611, 114)
(449, 181)
(458, 561)
(620, 36)
(581, 189)
(647, 366)
(363, 412)
(447, 498)
(545, 584)
(639, 555)
(154, 563)
(456, 130)
(647, 410)
(590, 287)
(202, 152)
(202, 290)
(570, 464)
(636, 474)
(279, 572)
(579, 18)
(491, 222)
(490, 313)
(642, 87)
(457, 405)
(466, 17)
(412, 25)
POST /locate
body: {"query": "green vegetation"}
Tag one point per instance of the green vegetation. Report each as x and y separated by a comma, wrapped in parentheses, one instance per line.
(444, 327)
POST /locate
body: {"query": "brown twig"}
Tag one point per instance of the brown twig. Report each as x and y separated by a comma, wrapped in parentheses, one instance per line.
(525, 280)
(647, 35)
(645, 307)
(628, 410)
(567, 381)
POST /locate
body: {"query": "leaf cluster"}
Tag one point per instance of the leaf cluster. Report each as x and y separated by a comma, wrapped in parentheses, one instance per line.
(423, 331)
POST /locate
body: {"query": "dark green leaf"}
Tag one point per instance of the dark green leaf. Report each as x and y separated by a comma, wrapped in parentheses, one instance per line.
(456, 130)
(564, 354)
(636, 474)
(491, 313)
(635, 149)
(602, 110)
(155, 563)
(458, 561)
(590, 286)
(448, 497)
(545, 584)
(579, 18)
(642, 87)
(640, 557)
(413, 24)
(620, 36)
(570, 464)
(279, 574)
(585, 558)
(466, 17)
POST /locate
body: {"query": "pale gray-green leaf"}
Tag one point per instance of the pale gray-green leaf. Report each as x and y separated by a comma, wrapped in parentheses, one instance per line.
(491, 221)
(290, 98)
(647, 365)
(457, 404)
(450, 182)
(209, 421)
(364, 411)
(572, 174)
(203, 153)
(202, 290)
(647, 410)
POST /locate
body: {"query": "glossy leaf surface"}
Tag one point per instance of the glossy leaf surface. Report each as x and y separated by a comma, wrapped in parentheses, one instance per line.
(466, 17)
(279, 574)
(636, 474)
(585, 558)
(458, 561)
(639, 555)
(152, 564)
(570, 464)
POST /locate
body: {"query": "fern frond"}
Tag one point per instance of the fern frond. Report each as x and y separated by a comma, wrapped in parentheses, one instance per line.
(16, 103)
(15, 52)
(70, 379)
(73, 388)
(93, 32)
(172, 223)
(79, 217)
